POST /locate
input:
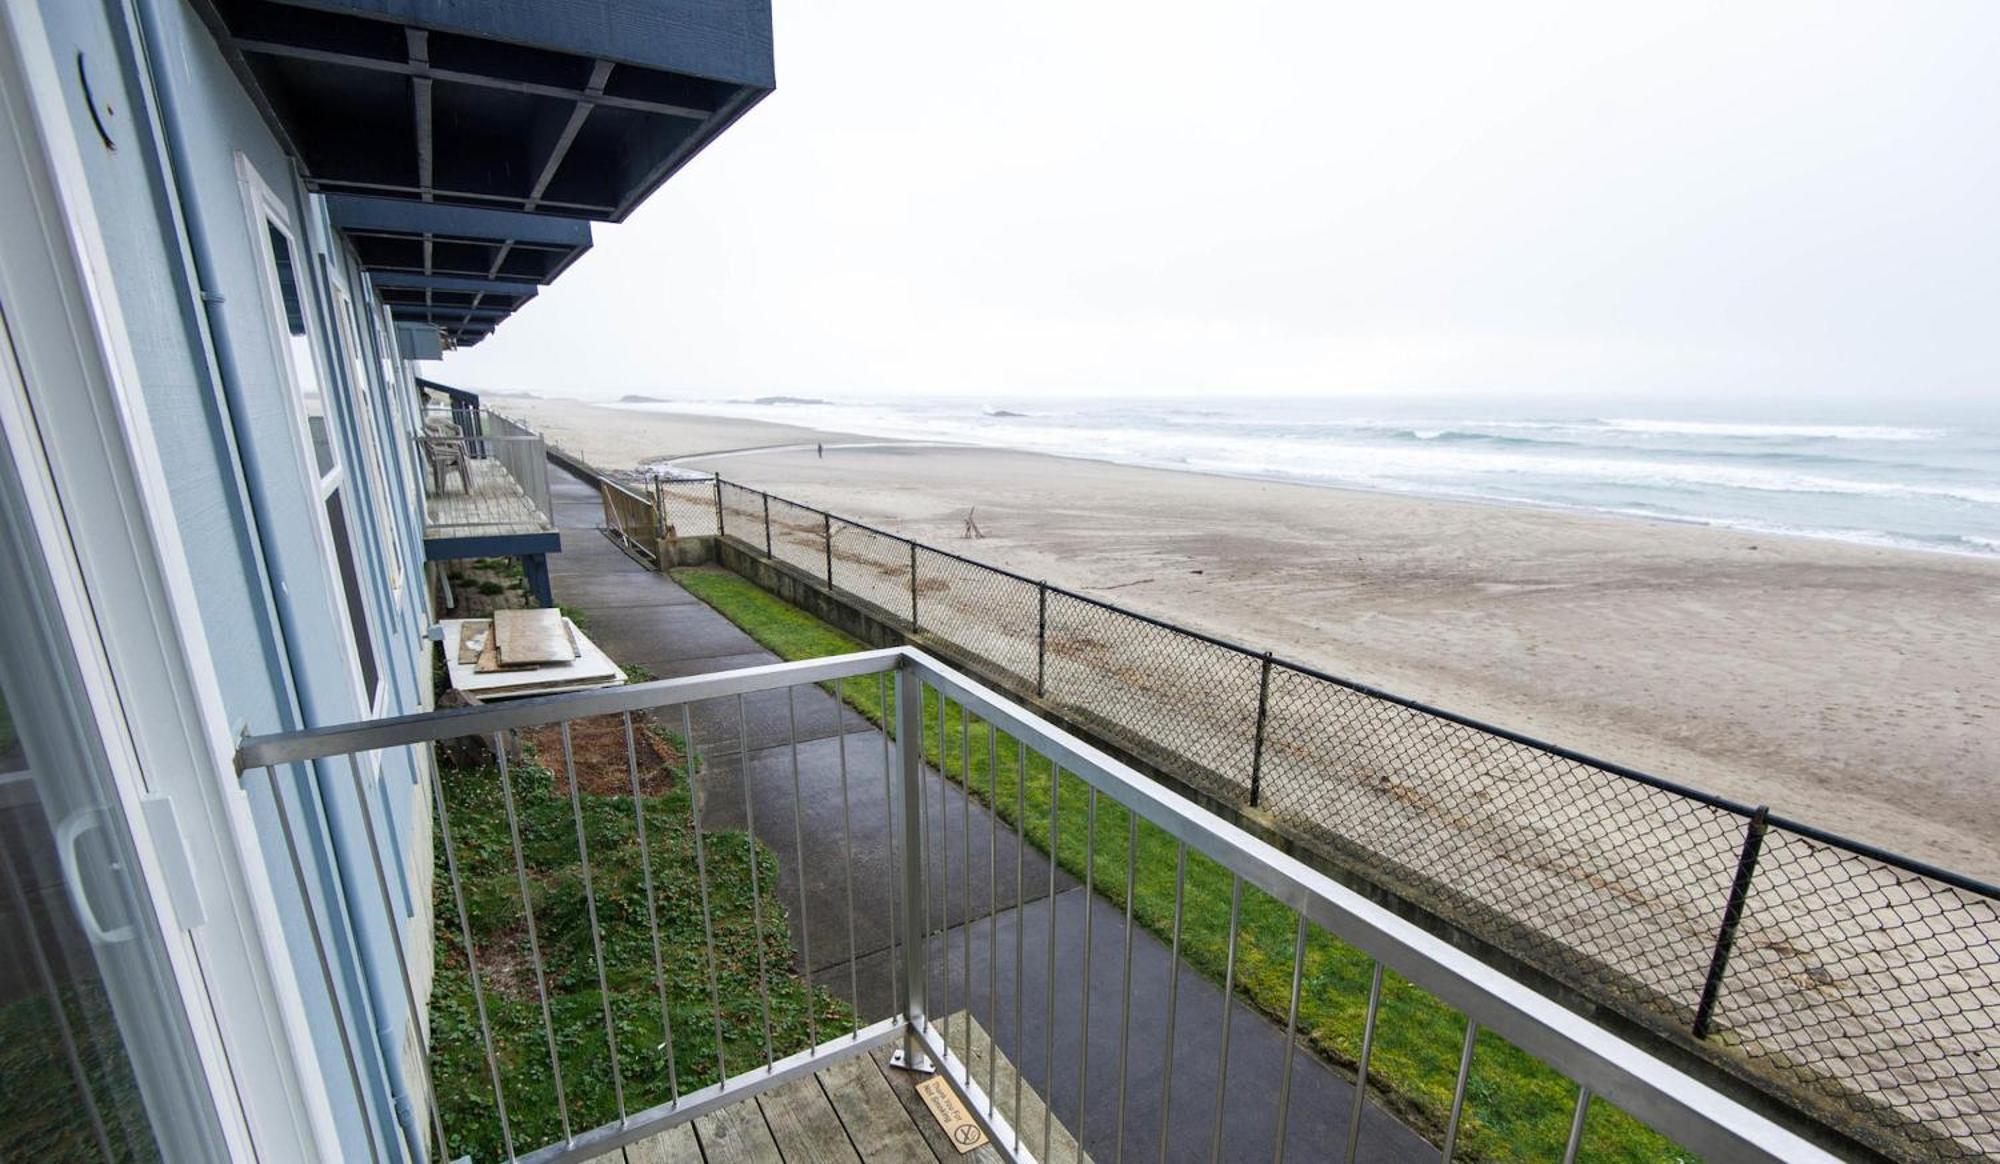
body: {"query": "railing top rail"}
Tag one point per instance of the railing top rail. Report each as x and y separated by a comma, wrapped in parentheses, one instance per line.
(480, 438)
(1692, 1113)
(262, 751)
(1722, 803)
(620, 487)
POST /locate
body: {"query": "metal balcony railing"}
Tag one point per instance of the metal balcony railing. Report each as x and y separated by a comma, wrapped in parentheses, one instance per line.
(897, 840)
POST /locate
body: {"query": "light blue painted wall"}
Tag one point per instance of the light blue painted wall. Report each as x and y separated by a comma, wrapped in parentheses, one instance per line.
(247, 505)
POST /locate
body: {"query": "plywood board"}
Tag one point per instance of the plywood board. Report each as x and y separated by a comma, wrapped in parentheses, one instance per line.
(591, 668)
(531, 636)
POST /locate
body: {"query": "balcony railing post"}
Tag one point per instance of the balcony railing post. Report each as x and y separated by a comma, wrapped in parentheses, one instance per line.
(1041, 637)
(718, 506)
(913, 585)
(1257, 740)
(826, 538)
(1732, 914)
(909, 791)
(767, 525)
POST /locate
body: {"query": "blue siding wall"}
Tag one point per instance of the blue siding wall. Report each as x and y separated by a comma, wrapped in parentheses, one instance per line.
(247, 503)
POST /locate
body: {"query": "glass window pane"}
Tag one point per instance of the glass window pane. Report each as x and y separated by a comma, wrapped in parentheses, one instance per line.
(350, 583)
(298, 343)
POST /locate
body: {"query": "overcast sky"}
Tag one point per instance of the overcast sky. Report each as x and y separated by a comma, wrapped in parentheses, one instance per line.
(1496, 201)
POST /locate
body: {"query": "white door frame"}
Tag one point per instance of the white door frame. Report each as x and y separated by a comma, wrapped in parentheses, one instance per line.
(131, 613)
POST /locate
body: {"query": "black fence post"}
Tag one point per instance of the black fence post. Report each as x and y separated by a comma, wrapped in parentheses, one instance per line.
(1725, 937)
(767, 525)
(718, 506)
(913, 585)
(826, 535)
(1041, 637)
(1257, 740)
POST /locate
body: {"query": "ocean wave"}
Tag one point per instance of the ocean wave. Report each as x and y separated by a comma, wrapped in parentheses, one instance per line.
(1835, 432)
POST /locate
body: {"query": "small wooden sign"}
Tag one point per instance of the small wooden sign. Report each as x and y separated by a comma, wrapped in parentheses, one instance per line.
(958, 1124)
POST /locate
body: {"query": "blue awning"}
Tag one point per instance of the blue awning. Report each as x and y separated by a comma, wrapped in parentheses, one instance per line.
(443, 130)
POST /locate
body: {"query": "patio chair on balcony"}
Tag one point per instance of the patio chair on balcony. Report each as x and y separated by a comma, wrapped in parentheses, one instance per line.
(445, 452)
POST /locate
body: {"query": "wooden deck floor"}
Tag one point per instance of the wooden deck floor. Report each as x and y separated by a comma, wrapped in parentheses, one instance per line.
(494, 506)
(857, 1110)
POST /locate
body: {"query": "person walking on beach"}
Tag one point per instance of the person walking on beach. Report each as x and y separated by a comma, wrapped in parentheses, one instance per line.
(822, 450)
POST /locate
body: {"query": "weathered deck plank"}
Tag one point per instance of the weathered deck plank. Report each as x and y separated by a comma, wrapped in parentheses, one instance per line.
(737, 1134)
(856, 1111)
(872, 1113)
(676, 1145)
(803, 1122)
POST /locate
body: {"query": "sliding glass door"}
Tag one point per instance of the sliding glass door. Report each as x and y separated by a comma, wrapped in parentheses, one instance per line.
(97, 1059)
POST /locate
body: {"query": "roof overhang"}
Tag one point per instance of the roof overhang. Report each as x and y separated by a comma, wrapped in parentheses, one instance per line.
(444, 130)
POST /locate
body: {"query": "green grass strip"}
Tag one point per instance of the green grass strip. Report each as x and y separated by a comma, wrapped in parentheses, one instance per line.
(486, 868)
(1517, 1108)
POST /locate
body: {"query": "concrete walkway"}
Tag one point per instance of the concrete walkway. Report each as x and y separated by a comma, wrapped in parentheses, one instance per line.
(838, 820)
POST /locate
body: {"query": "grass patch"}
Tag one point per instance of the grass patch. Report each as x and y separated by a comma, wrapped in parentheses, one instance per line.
(548, 826)
(1517, 1108)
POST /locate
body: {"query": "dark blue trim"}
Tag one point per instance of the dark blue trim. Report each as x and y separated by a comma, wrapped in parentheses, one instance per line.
(403, 216)
(447, 549)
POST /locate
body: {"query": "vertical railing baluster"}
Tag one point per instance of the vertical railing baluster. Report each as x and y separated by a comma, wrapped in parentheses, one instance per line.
(1020, 926)
(1228, 1010)
(826, 537)
(890, 727)
(1291, 1040)
(913, 585)
(1173, 995)
(992, 914)
(767, 523)
(756, 889)
(719, 531)
(590, 911)
(1125, 990)
(1576, 1123)
(1049, 1020)
(1361, 1068)
(393, 915)
(944, 865)
(472, 965)
(965, 839)
(847, 853)
(1458, 1088)
(534, 941)
(652, 908)
(1089, 900)
(916, 896)
(707, 917)
(799, 850)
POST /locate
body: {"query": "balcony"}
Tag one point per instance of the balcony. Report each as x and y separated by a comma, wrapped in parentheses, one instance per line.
(663, 909)
(486, 487)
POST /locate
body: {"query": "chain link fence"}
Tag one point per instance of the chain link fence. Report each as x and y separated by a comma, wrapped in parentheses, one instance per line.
(873, 567)
(686, 508)
(1859, 986)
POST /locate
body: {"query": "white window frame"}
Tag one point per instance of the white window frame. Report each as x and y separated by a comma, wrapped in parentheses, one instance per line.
(264, 212)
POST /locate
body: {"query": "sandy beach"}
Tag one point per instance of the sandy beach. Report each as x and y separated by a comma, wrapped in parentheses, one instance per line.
(1853, 687)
